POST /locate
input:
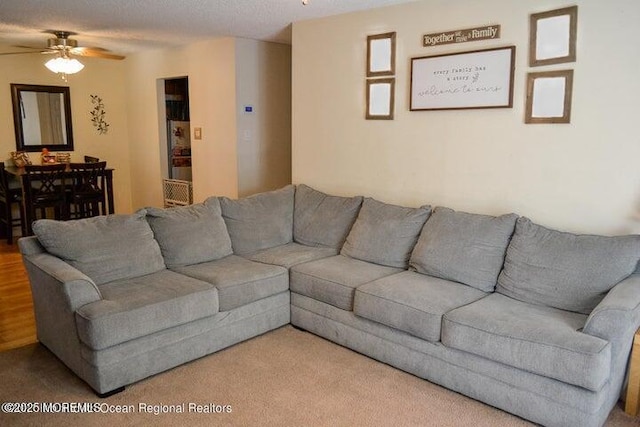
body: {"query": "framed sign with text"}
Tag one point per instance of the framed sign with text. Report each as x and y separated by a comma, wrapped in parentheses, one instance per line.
(487, 32)
(475, 79)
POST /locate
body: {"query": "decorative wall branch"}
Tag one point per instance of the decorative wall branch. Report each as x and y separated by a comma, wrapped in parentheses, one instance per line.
(97, 115)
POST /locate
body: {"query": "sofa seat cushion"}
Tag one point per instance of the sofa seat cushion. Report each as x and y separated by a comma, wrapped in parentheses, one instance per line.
(105, 248)
(538, 339)
(333, 280)
(260, 221)
(190, 234)
(564, 270)
(291, 254)
(385, 234)
(133, 308)
(239, 281)
(323, 220)
(464, 247)
(412, 302)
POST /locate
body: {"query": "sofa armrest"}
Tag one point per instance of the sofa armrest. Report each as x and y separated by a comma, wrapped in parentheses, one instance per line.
(58, 290)
(30, 245)
(49, 274)
(616, 320)
(618, 314)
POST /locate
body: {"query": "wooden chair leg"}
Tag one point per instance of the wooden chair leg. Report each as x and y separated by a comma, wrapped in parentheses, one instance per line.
(23, 220)
(3, 229)
(4, 226)
(10, 229)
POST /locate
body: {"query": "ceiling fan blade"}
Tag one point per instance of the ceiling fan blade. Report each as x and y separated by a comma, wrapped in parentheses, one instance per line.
(33, 49)
(94, 52)
(20, 53)
(29, 47)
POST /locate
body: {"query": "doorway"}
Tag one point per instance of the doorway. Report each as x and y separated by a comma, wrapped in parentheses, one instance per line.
(176, 97)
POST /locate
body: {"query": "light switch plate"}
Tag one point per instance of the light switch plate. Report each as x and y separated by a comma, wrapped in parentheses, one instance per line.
(197, 133)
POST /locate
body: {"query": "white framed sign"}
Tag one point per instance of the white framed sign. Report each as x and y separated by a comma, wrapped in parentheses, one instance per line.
(476, 79)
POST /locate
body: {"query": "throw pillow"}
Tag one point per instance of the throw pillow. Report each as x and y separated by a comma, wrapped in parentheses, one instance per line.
(105, 248)
(563, 270)
(190, 234)
(260, 221)
(323, 220)
(385, 234)
(463, 247)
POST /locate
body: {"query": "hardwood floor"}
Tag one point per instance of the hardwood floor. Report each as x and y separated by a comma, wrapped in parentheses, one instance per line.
(17, 322)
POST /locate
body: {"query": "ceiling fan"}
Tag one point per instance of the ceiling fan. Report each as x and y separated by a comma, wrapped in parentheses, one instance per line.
(65, 49)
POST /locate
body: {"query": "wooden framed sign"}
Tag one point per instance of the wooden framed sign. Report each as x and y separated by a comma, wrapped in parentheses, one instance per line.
(461, 36)
(476, 79)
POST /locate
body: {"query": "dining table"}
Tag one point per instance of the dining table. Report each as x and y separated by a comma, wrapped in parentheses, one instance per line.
(19, 174)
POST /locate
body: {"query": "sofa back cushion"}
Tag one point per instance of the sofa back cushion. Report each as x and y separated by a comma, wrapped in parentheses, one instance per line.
(190, 234)
(260, 221)
(105, 248)
(323, 220)
(563, 270)
(463, 247)
(385, 234)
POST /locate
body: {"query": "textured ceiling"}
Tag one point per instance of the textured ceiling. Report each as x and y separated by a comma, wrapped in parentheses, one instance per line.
(126, 26)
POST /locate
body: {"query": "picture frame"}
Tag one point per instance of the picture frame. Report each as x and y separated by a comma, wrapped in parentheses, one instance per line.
(381, 54)
(552, 36)
(380, 99)
(549, 97)
(463, 80)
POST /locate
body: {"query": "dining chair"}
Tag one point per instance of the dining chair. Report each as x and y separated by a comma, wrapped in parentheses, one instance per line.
(45, 189)
(10, 196)
(91, 159)
(87, 189)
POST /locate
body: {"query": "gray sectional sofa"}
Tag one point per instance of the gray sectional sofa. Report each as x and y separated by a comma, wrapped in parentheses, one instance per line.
(531, 320)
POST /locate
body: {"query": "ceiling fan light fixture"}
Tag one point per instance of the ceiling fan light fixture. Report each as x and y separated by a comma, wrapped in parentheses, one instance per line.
(64, 65)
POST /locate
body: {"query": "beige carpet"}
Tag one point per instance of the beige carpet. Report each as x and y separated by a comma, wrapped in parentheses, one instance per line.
(284, 378)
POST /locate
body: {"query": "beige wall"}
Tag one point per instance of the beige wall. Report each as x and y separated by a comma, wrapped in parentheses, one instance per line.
(100, 77)
(263, 81)
(223, 73)
(581, 177)
(210, 67)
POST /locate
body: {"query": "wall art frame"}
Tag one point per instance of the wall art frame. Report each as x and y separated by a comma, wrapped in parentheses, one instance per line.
(463, 80)
(549, 97)
(380, 99)
(552, 36)
(381, 54)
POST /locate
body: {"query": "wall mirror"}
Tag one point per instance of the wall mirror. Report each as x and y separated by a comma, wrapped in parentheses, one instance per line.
(42, 117)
